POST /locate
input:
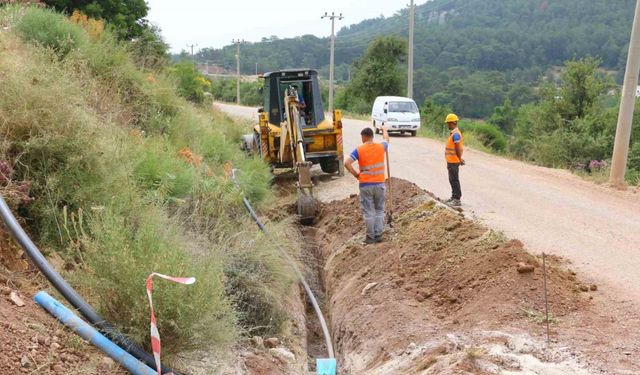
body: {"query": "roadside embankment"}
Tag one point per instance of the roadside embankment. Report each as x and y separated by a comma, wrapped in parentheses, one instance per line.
(444, 294)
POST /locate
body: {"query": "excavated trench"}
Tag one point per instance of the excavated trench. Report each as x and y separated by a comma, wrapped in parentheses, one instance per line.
(445, 295)
(315, 342)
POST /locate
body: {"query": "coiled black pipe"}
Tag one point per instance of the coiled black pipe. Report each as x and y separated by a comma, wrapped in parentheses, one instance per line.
(69, 293)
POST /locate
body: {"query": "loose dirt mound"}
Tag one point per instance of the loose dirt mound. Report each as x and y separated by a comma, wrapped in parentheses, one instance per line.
(32, 342)
(437, 274)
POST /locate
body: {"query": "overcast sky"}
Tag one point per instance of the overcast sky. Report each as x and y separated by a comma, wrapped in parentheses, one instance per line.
(213, 23)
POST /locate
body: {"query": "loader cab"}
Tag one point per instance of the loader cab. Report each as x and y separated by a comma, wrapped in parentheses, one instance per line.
(305, 81)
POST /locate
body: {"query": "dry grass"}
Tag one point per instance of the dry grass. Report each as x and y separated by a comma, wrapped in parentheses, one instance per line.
(100, 141)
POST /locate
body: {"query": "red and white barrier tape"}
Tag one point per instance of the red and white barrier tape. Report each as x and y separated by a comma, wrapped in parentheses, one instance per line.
(155, 335)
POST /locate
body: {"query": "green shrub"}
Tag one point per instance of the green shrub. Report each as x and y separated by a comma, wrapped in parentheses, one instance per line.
(257, 281)
(51, 30)
(489, 135)
(344, 99)
(159, 170)
(433, 116)
(250, 94)
(125, 246)
(634, 157)
(225, 90)
(191, 84)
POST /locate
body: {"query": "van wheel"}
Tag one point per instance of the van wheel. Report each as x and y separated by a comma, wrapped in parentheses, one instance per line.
(413, 133)
(375, 130)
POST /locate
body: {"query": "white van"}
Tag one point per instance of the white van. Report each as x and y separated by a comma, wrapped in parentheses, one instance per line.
(397, 113)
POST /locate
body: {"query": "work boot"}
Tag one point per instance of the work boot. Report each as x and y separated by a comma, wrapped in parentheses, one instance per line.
(368, 240)
(454, 202)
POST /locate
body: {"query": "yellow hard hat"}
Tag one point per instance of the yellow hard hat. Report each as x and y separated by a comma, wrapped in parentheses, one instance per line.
(451, 118)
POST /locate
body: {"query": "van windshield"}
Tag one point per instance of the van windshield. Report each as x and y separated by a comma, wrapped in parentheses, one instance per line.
(403, 107)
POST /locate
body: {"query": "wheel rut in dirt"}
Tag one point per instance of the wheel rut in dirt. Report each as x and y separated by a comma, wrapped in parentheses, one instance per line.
(444, 294)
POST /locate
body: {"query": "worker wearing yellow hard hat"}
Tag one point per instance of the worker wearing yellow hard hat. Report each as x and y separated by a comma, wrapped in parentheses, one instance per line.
(453, 154)
(451, 117)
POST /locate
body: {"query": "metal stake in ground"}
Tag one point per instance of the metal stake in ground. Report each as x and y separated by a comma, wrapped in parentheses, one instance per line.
(390, 203)
(546, 299)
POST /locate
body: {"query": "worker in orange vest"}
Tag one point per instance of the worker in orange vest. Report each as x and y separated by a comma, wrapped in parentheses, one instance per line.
(370, 157)
(453, 153)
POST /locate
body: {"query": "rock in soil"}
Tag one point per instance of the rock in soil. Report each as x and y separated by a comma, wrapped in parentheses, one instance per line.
(283, 355)
(107, 362)
(16, 300)
(368, 287)
(584, 288)
(24, 362)
(524, 268)
(257, 341)
(271, 342)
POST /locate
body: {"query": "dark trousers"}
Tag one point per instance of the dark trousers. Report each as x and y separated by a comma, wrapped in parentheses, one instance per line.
(454, 180)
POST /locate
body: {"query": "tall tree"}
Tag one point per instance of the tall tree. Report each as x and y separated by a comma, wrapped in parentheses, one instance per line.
(379, 71)
(125, 15)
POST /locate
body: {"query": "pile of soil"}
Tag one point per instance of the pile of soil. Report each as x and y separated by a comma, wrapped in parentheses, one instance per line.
(439, 274)
(31, 341)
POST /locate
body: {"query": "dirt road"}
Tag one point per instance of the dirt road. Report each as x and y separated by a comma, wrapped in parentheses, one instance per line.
(552, 211)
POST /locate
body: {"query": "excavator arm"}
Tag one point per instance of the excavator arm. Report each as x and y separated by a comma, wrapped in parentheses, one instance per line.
(293, 136)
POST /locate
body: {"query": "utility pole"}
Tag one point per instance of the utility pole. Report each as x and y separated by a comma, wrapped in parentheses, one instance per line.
(256, 68)
(237, 43)
(625, 114)
(332, 17)
(412, 9)
(191, 46)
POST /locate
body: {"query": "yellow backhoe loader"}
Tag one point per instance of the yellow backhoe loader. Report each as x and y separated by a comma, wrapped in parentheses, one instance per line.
(292, 132)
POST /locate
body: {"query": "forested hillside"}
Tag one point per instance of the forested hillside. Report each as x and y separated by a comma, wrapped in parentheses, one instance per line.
(469, 54)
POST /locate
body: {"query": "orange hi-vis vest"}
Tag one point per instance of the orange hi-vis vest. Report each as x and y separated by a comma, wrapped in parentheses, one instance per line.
(450, 148)
(371, 162)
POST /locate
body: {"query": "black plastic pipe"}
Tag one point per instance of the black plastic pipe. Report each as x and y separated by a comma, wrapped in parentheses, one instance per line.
(69, 293)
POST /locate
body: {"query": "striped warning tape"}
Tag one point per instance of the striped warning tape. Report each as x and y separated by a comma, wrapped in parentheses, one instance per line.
(155, 335)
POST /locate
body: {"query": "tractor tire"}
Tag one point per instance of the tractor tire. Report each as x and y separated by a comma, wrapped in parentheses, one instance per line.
(330, 165)
(257, 144)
